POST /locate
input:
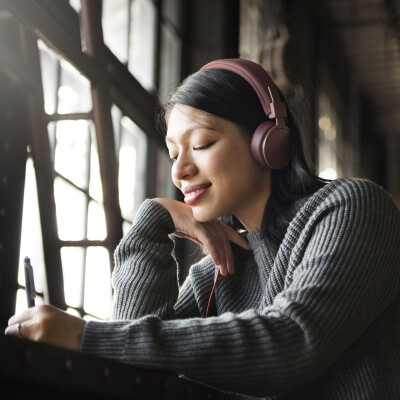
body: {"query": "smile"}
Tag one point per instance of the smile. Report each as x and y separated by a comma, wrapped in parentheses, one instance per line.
(193, 193)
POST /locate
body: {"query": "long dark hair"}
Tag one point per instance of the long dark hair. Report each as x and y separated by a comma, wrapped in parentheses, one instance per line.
(227, 95)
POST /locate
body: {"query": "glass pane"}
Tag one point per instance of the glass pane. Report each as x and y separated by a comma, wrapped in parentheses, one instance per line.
(74, 91)
(126, 183)
(95, 188)
(21, 302)
(71, 151)
(31, 234)
(96, 222)
(132, 159)
(142, 42)
(116, 115)
(126, 226)
(170, 61)
(115, 21)
(97, 282)
(72, 259)
(172, 11)
(75, 4)
(49, 68)
(90, 318)
(71, 211)
(72, 311)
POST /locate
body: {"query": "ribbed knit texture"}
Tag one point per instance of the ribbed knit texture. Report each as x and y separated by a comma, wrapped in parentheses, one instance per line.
(318, 319)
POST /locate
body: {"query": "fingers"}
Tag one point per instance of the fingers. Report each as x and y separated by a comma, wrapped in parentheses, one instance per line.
(187, 236)
(23, 330)
(14, 330)
(216, 236)
(234, 237)
(218, 245)
(230, 265)
(22, 316)
(48, 324)
(21, 324)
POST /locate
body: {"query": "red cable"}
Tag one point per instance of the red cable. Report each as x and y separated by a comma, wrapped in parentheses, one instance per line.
(212, 293)
(208, 310)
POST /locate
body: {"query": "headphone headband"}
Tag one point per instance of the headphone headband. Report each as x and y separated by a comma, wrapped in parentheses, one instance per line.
(259, 79)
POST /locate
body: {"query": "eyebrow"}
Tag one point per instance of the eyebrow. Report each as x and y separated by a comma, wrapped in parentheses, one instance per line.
(190, 130)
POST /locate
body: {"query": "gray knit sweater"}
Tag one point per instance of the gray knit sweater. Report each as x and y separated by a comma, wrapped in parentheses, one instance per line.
(318, 319)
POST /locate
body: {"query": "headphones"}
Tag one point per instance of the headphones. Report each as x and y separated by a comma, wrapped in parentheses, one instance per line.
(270, 142)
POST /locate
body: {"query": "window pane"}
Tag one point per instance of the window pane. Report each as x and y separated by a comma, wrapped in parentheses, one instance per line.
(97, 282)
(49, 67)
(74, 91)
(96, 222)
(132, 158)
(72, 311)
(126, 226)
(72, 151)
(115, 19)
(95, 188)
(72, 259)
(21, 303)
(170, 61)
(75, 4)
(172, 11)
(142, 42)
(31, 235)
(71, 211)
(116, 115)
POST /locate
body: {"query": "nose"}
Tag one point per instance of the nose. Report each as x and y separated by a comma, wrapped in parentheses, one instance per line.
(184, 167)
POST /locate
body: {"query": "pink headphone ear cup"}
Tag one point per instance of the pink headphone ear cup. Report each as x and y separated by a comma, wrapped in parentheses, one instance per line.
(257, 142)
(271, 145)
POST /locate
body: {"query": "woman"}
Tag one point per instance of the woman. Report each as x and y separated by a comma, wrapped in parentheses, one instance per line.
(308, 303)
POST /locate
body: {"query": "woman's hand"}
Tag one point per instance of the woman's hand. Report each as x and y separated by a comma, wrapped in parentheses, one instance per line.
(47, 324)
(214, 235)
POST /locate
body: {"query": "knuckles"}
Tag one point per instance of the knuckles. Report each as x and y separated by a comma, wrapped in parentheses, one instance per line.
(43, 321)
(44, 309)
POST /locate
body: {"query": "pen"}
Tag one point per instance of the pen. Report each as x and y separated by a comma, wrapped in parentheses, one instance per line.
(29, 283)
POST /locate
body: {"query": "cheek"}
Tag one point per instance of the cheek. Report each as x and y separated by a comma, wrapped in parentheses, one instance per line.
(223, 160)
(235, 162)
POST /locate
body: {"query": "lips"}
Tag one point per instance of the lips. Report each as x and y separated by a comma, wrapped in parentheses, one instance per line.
(194, 192)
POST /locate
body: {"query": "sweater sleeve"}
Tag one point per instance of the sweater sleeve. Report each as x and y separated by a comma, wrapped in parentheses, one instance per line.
(345, 275)
(145, 276)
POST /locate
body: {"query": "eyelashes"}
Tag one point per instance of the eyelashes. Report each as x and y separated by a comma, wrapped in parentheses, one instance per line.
(200, 148)
(203, 147)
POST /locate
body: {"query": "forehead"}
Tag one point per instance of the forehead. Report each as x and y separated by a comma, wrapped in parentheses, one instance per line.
(185, 119)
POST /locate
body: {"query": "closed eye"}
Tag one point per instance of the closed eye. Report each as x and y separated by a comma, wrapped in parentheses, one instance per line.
(200, 148)
(203, 147)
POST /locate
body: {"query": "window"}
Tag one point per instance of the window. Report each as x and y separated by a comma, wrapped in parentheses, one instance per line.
(77, 190)
(132, 148)
(132, 31)
(31, 240)
(129, 28)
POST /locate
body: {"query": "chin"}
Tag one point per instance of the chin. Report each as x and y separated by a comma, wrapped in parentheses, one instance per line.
(203, 216)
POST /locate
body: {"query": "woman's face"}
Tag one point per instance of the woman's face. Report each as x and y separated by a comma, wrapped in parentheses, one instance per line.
(213, 167)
